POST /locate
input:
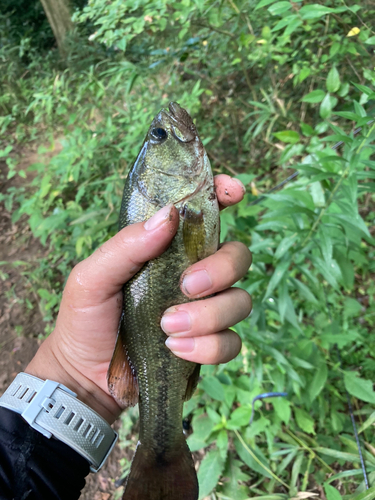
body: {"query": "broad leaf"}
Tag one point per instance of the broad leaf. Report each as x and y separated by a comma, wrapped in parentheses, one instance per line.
(209, 472)
(333, 80)
(314, 96)
(314, 11)
(213, 387)
(304, 421)
(359, 387)
(287, 136)
(332, 493)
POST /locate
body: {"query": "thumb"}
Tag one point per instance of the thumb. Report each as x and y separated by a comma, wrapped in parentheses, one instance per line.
(102, 275)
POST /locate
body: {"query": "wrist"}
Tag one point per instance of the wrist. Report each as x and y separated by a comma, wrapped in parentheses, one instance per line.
(49, 364)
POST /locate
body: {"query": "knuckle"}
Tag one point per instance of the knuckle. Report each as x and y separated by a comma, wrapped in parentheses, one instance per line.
(77, 276)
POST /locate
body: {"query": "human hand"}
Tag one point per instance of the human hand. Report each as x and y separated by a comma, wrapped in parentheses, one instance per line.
(78, 351)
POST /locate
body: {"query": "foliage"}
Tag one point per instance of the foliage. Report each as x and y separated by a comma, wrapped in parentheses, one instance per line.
(272, 85)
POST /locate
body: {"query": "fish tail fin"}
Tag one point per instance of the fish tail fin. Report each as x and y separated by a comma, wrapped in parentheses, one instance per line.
(160, 478)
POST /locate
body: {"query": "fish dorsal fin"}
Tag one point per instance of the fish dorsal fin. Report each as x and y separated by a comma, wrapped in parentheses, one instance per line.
(193, 233)
(121, 378)
(192, 382)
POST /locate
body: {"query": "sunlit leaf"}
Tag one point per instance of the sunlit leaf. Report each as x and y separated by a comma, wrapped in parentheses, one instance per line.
(304, 421)
(333, 80)
(287, 136)
(314, 96)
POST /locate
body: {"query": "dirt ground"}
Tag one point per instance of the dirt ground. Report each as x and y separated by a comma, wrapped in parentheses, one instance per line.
(21, 327)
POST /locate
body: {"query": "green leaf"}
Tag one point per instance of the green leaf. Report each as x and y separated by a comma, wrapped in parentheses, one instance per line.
(339, 455)
(305, 291)
(209, 472)
(222, 443)
(325, 109)
(317, 193)
(326, 245)
(318, 381)
(240, 417)
(345, 473)
(352, 308)
(314, 11)
(363, 88)
(291, 28)
(279, 272)
(213, 387)
(332, 493)
(232, 489)
(287, 136)
(245, 178)
(359, 387)
(304, 421)
(314, 96)
(307, 130)
(367, 422)
(366, 495)
(333, 80)
(371, 40)
(284, 246)
(282, 409)
(279, 8)
(249, 459)
(348, 114)
(284, 299)
(195, 443)
(263, 3)
(202, 427)
(285, 21)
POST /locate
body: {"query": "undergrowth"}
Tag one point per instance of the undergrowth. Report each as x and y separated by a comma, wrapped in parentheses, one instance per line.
(272, 87)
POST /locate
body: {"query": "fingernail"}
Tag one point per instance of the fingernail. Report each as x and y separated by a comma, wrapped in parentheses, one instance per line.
(197, 282)
(180, 345)
(158, 219)
(240, 184)
(176, 322)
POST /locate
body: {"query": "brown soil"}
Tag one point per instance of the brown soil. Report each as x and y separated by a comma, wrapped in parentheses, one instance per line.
(21, 321)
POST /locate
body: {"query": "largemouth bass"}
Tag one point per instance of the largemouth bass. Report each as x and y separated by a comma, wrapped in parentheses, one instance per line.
(172, 167)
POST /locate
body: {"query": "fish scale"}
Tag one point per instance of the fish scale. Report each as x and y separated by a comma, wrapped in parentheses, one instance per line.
(172, 167)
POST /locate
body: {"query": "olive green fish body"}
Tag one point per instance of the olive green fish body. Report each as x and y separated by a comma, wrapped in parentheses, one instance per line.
(172, 167)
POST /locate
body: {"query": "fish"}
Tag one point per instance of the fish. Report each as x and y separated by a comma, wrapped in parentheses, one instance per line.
(171, 167)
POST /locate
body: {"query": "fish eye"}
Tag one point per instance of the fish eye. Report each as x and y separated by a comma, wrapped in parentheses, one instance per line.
(159, 134)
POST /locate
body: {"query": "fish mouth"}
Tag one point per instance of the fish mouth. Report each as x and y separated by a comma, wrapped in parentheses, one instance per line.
(182, 125)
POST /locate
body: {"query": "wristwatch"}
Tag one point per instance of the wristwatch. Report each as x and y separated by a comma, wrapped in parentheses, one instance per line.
(54, 410)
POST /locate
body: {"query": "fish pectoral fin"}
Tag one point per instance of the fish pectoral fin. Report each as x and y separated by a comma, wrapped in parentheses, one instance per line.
(192, 382)
(121, 378)
(193, 233)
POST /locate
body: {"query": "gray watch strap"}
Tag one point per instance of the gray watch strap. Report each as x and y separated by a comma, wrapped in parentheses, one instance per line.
(54, 410)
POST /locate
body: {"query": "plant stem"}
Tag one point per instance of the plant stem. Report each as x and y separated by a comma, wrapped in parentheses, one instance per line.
(312, 452)
(252, 454)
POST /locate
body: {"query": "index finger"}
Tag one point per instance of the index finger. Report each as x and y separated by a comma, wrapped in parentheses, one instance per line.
(229, 191)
